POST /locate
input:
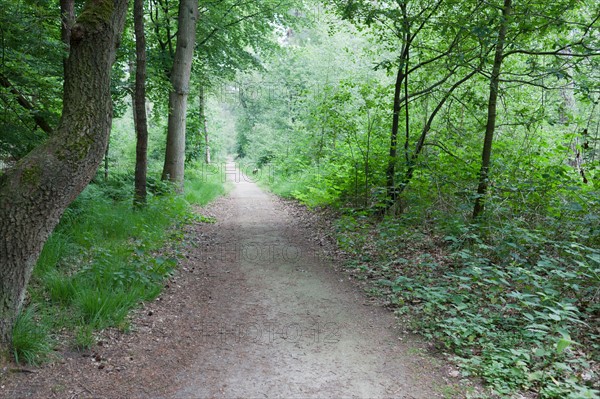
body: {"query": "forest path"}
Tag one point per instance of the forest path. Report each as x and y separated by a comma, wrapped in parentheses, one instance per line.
(256, 312)
(281, 323)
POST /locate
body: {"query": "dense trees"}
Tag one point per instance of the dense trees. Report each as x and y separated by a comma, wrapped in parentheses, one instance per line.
(469, 117)
(456, 140)
(37, 186)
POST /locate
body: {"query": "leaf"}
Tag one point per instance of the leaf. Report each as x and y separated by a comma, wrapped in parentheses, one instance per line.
(536, 376)
(537, 327)
(563, 343)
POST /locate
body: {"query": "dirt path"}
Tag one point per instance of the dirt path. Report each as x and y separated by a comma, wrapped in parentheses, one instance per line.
(256, 312)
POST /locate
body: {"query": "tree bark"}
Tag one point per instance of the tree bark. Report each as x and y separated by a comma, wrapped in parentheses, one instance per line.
(141, 122)
(67, 14)
(391, 167)
(492, 113)
(180, 79)
(37, 190)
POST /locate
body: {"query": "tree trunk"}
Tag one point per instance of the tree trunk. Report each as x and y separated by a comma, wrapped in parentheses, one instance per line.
(204, 125)
(141, 123)
(392, 193)
(37, 190)
(180, 79)
(67, 15)
(391, 167)
(566, 112)
(567, 93)
(492, 113)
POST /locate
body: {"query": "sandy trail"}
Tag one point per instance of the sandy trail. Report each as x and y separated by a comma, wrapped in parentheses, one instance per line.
(256, 312)
(285, 324)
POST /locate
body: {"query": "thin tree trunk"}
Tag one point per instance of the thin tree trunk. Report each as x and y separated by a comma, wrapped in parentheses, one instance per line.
(35, 193)
(392, 193)
(141, 123)
(492, 113)
(391, 168)
(67, 15)
(567, 111)
(204, 125)
(567, 93)
(180, 79)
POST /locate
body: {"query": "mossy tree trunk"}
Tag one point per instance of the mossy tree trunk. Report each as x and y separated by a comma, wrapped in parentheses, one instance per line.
(180, 79)
(37, 190)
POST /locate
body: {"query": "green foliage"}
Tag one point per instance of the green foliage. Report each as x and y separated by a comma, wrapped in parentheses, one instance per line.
(202, 186)
(104, 258)
(30, 341)
(37, 79)
(516, 306)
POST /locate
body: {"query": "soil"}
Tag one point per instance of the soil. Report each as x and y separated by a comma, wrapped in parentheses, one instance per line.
(258, 309)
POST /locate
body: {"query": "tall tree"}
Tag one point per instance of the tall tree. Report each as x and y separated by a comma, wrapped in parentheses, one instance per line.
(37, 190)
(204, 124)
(492, 111)
(180, 79)
(401, 80)
(140, 118)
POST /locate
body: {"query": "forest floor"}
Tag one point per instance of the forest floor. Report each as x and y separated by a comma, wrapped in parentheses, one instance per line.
(258, 309)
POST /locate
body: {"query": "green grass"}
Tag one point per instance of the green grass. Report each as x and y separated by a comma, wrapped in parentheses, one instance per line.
(84, 337)
(56, 249)
(30, 340)
(104, 307)
(202, 188)
(103, 259)
(60, 288)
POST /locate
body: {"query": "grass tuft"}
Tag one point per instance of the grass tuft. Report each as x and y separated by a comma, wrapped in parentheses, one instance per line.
(30, 340)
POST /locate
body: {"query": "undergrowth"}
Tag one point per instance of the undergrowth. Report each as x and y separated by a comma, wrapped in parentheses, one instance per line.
(514, 298)
(516, 306)
(102, 260)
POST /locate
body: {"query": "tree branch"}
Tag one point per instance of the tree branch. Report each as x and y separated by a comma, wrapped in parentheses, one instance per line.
(39, 120)
(559, 52)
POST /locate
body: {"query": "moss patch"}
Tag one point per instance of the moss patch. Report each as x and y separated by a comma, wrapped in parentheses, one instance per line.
(31, 175)
(96, 12)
